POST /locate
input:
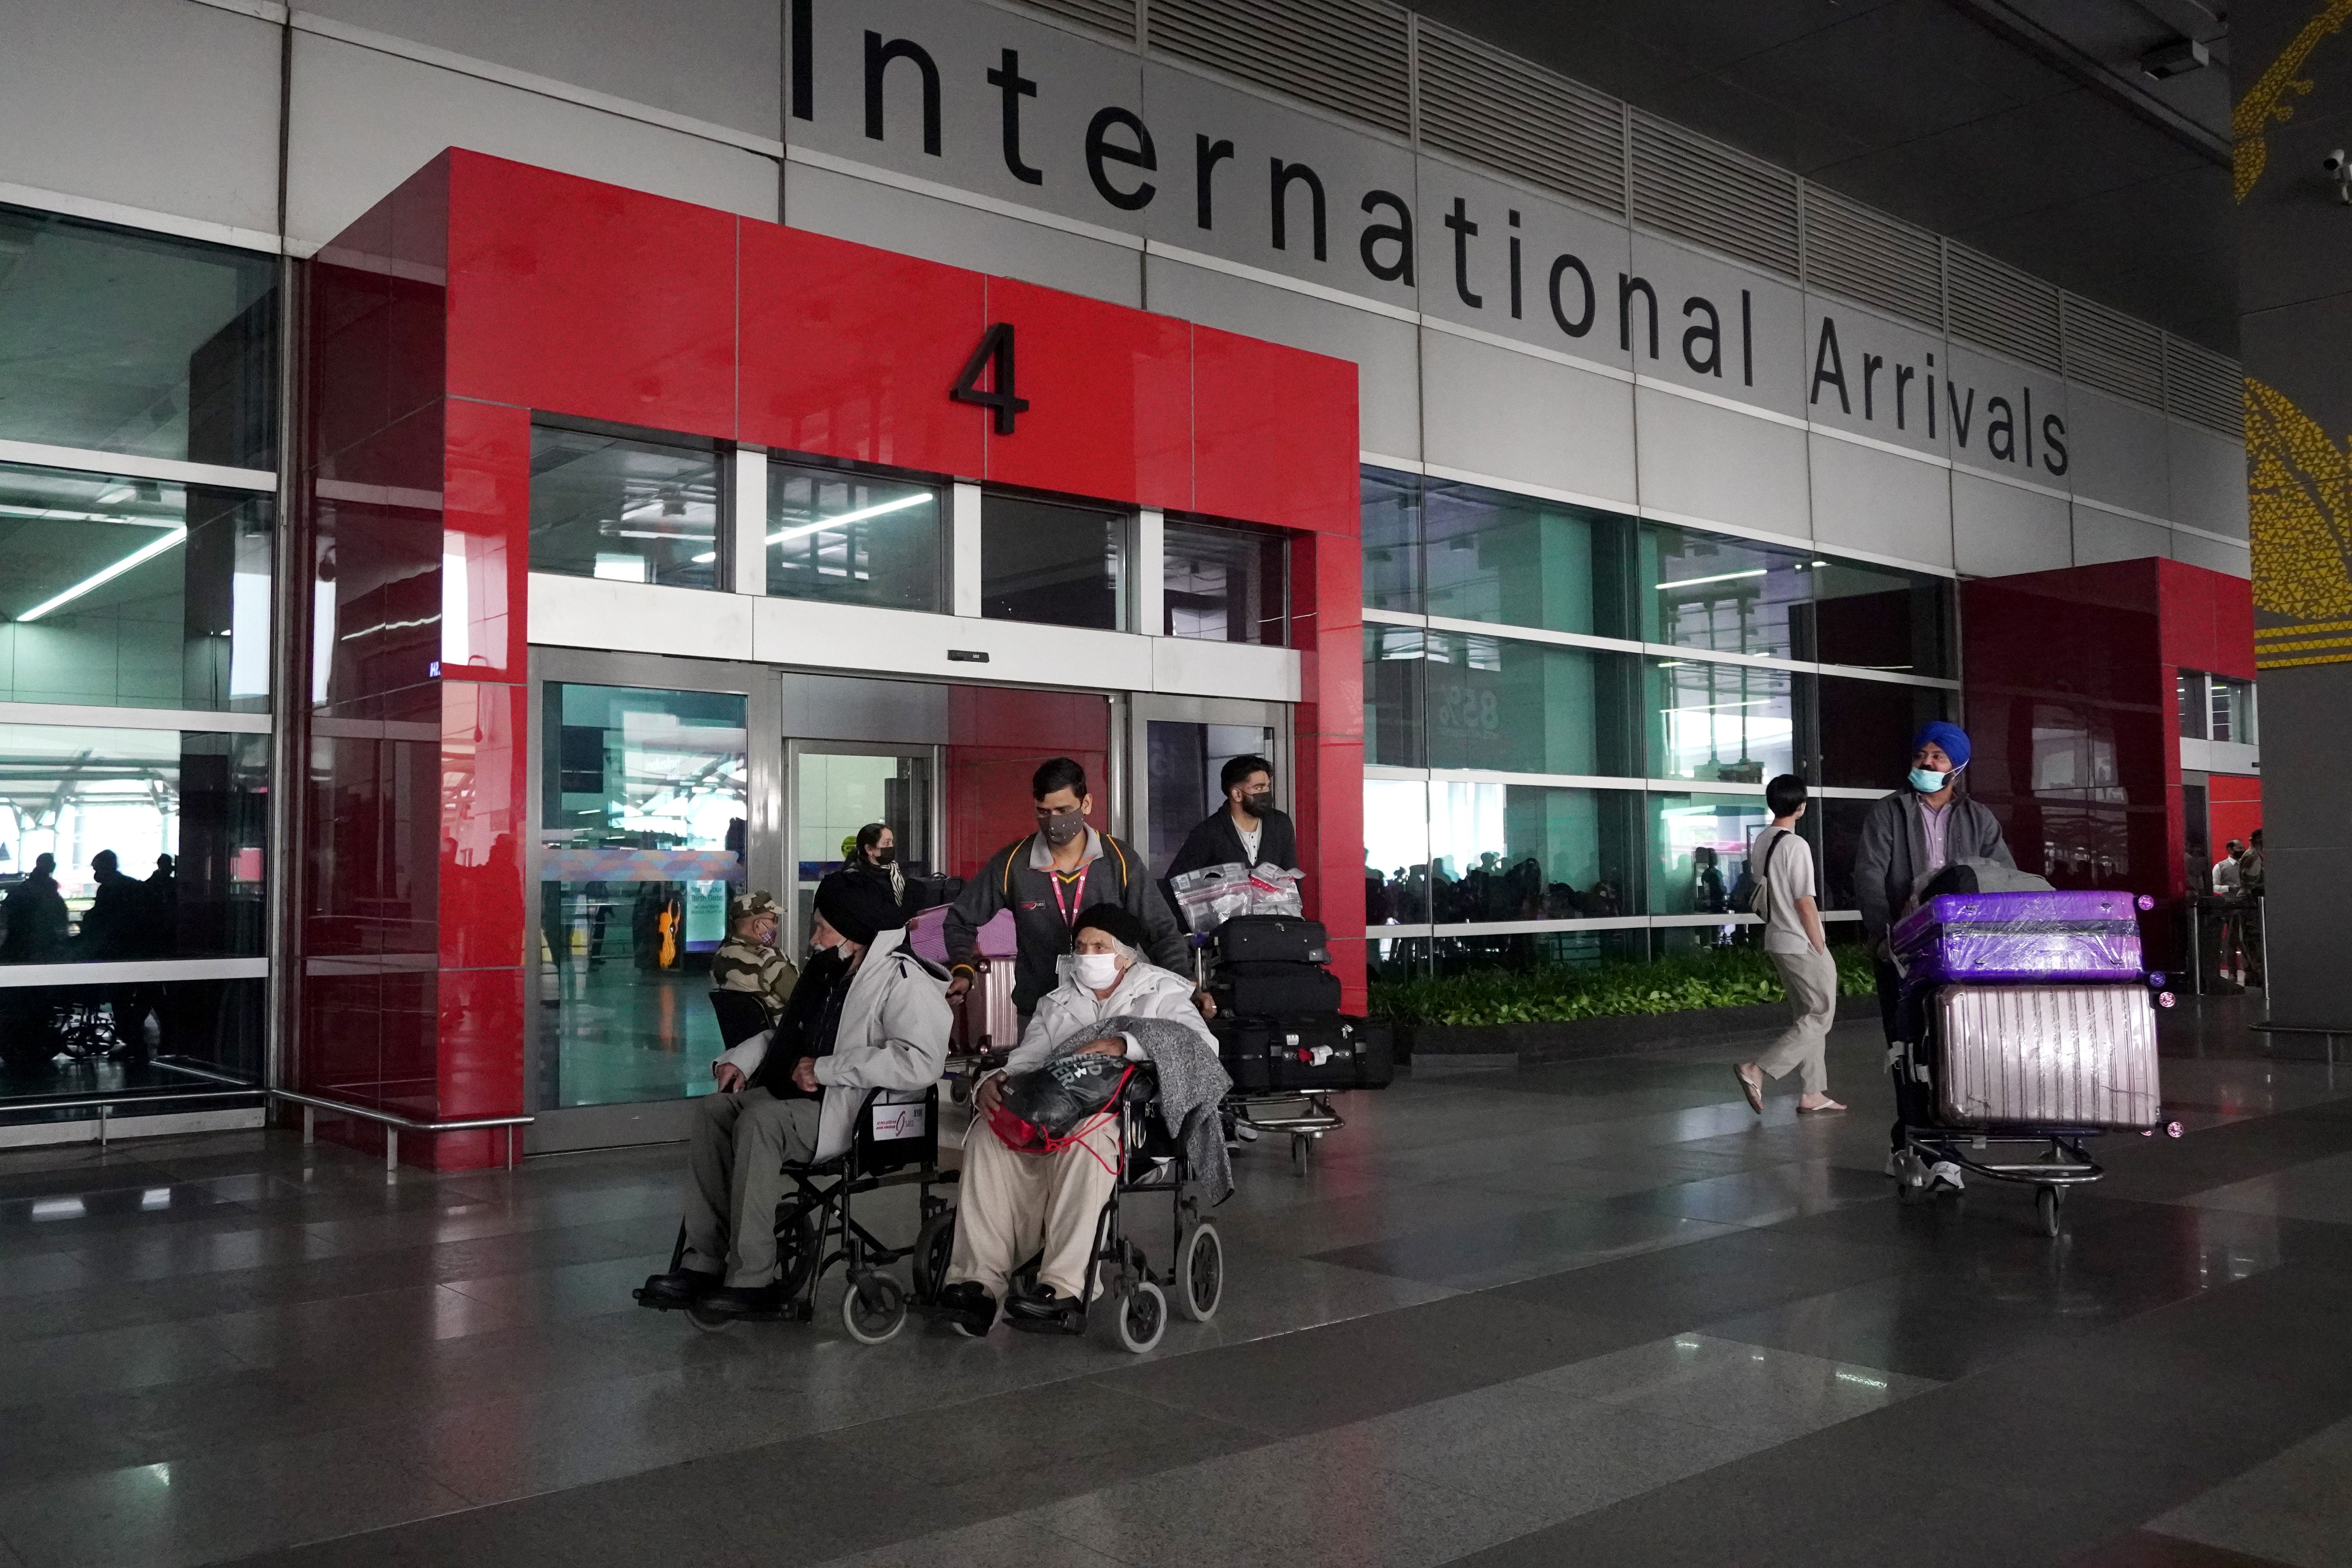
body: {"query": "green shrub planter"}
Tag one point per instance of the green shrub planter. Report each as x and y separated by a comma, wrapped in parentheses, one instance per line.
(1558, 1014)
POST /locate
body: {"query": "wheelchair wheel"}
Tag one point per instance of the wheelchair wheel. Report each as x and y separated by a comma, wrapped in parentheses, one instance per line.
(797, 1251)
(1142, 1316)
(874, 1309)
(934, 1246)
(1201, 1273)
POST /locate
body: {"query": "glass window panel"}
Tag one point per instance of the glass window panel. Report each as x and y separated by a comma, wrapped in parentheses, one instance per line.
(1838, 823)
(1393, 695)
(1391, 525)
(1881, 618)
(123, 342)
(1699, 847)
(835, 794)
(1529, 708)
(1723, 723)
(1493, 556)
(2232, 710)
(644, 801)
(631, 511)
(1396, 958)
(111, 1038)
(119, 845)
(1185, 760)
(1729, 596)
(132, 592)
(1522, 852)
(1064, 565)
(1396, 852)
(2189, 689)
(1867, 728)
(1539, 950)
(1225, 585)
(856, 540)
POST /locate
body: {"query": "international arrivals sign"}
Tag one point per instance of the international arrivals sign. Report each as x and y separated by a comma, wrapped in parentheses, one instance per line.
(1033, 117)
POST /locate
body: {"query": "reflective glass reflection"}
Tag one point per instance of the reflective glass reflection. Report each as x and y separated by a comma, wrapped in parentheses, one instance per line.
(119, 1039)
(1867, 728)
(132, 592)
(856, 540)
(1723, 723)
(1391, 525)
(120, 845)
(1877, 617)
(119, 340)
(1393, 695)
(1529, 707)
(1225, 585)
(1493, 556)
(1522, 852)
(630, 510)
(1699, 847)
(1396, 852)
(1705, 590)
(1065, 565)
(645, 799)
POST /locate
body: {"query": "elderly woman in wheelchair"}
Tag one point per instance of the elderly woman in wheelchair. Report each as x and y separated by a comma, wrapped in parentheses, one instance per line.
(1054, 1199)
(867, 1014)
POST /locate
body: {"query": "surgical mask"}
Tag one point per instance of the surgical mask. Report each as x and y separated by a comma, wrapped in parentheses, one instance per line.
(1928, 781)
(1258, 802)
(1096, 970)
(885, 857)
(1059, 827)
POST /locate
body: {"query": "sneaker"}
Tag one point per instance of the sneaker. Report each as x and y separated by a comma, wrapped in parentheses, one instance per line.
(1945, 1173)
(969, 1308)
(678, 1287)
(1245, 1131)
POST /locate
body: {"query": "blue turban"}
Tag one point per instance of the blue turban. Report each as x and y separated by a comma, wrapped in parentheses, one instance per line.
(1951, 737)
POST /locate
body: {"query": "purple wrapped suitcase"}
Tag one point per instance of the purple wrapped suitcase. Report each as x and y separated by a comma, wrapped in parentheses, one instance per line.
(2045, 1056)
(1971, 937)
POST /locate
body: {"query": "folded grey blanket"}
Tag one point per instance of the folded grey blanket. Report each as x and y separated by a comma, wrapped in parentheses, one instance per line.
(1192, 1085)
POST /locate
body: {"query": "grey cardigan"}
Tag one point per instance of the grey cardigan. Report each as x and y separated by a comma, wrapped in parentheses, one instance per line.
(1889, 860)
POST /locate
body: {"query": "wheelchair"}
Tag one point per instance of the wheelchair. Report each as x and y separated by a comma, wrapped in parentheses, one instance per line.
(897, 1144)
(1151, 1165)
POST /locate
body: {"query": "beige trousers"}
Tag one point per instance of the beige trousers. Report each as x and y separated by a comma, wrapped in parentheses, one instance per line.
(1811, 979)
(1016, 1204)
(737, 1162)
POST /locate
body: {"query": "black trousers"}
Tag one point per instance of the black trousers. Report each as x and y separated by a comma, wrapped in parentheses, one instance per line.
(1904, 1019)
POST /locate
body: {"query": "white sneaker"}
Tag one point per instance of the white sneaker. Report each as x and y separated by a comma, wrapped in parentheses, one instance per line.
(1245, 1131)
(1947, 1173)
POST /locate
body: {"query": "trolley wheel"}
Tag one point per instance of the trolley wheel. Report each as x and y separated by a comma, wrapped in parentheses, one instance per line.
(874, 1309)
(934, 1246)
(2045, 1206)
(1201, 1273)
(2172, 1129)
(1302, 1151)
(1142, 1316)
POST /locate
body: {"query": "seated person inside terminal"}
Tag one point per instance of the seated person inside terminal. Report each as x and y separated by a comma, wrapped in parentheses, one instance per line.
(867, 1014)
(748, 959)
(1015, 1204)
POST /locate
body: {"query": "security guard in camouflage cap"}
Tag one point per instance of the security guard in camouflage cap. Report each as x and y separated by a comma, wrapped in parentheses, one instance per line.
(748, 959)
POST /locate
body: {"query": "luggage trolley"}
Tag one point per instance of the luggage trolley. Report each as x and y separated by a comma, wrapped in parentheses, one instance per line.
(2025, 1028)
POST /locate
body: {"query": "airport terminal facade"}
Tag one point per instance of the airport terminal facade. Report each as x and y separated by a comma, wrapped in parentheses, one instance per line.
(481, 486)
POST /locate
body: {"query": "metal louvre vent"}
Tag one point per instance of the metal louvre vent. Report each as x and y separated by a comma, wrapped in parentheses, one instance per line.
(1111, 15)
(1349, 56)
(1995, 307)
(1687, 185)
(1521, 119)
(2110, 351)
(1866, 256)
(2205, 388)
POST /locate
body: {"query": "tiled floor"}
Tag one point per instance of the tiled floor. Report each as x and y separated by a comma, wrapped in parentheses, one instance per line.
(1595, 1312)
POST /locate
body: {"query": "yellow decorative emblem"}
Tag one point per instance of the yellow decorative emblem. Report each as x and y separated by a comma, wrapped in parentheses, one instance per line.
(2266, 100)
(2299, 510)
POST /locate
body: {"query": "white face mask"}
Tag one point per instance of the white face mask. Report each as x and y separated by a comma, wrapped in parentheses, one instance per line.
(1096, 970)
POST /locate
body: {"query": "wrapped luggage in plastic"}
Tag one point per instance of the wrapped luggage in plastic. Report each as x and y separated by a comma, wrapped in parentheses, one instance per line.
(1208, 897)
(2046, 936)
(2052, 1055)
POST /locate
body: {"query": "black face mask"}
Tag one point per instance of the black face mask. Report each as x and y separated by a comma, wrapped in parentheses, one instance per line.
(1258, 802)
(885, 857)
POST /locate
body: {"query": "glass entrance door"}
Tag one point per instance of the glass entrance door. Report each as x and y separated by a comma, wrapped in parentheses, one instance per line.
(1180, 745)
(839, 787)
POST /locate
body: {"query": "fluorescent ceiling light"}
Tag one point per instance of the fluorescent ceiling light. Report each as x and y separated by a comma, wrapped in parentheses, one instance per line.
(860, 515)
(1725, 577)
(139, 557)
(59, 514)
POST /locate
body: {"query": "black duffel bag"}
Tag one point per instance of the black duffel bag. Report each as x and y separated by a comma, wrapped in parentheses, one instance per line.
(1041, 1111)
(1274, 988)
(1273, 939)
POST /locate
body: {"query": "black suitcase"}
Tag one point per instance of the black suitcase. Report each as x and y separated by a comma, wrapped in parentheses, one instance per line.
(1320, 1051)
(1273, 939)
(1259, 990)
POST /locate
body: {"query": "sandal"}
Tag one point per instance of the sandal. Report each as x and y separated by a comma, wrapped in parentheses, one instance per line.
(1752, 1087)
(1826, 1105)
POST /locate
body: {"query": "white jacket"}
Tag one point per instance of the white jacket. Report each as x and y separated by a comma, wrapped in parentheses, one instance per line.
(1070, 1010)
(893, 1035)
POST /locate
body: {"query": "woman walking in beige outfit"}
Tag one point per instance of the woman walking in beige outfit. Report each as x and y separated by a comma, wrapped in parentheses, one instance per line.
(1793, 939)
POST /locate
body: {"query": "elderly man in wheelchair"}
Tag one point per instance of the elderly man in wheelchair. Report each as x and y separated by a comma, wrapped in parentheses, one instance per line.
(1016, 1204)
(867, 1014)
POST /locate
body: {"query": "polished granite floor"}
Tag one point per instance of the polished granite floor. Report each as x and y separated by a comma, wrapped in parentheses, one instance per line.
(1587, 1314)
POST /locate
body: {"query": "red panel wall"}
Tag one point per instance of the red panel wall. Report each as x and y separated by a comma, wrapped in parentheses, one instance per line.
(482, 291)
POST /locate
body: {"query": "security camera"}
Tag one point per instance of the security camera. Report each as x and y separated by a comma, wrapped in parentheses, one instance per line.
(2340, 169)
(2334, 163)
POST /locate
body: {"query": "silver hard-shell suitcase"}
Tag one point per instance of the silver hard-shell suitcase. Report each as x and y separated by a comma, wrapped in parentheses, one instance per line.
(986, 1019)
(2048, 1055)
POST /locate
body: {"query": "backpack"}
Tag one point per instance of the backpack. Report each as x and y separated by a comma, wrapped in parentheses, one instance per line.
(1752, 894)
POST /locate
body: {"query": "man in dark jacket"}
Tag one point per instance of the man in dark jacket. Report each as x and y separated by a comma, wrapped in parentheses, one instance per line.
(1910, 836)
(1246, 830)
(1047, 880)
